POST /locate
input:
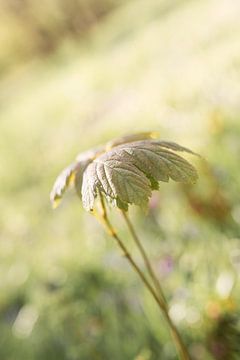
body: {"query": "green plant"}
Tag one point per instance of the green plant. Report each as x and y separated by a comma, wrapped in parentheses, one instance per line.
(126, 171)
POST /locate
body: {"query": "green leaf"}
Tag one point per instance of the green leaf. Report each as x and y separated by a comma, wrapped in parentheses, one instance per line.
(117, 179)
(130, 138)
(127, 172)
(73, 174)
(91, 154)
(174, 146)
(121, 205)
(158, 163)
(88, 190)
(61, 184)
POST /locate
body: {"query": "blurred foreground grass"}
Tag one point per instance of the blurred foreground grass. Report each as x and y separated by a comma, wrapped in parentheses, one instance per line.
(66, 293)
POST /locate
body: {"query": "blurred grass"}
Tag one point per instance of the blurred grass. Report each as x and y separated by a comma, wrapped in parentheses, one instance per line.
(66, 293)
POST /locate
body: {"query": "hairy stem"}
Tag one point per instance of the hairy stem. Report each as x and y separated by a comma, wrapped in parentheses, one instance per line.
(145, 257)
(183, 353)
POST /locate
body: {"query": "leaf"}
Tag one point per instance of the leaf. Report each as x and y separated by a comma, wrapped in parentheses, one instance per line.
(88, 190)
(61, 184)
(125, 170)
(73, 174)
(130, 138)
(91, 154)
(117, 179)
(174, 146)
(157, 162)
(129, 172)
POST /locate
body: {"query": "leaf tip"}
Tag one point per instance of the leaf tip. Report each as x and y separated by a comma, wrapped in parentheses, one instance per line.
(56, 203)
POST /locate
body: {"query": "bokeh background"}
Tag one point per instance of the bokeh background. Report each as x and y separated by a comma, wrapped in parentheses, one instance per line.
(73, 74)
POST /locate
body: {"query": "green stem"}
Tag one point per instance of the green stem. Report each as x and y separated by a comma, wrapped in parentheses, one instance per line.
(144, 256)
(183, 353)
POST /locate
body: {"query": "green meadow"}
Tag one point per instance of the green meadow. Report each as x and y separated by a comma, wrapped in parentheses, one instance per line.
(66, 291)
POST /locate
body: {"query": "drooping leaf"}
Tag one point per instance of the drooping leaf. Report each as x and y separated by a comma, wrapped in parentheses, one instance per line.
(130, 138)
(157, 162)
(91, 154)
(125, 170)
(88, 190)
(73, 174)
(129, 172)
(117, 179)
(174, 146)
(85, 158)
(61, 184)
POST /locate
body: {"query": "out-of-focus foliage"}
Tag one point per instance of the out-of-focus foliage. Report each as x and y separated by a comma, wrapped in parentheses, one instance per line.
(32, 28)
(224, 339)
(65, 291)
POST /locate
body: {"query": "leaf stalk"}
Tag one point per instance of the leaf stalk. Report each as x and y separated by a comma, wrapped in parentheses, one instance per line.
(157, 293)
(144, 256)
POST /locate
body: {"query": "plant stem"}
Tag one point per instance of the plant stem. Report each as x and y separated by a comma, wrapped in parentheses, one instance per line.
(144, 256)
(183, 353)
